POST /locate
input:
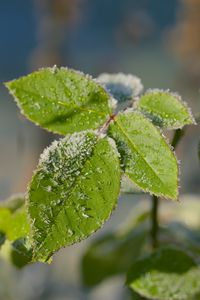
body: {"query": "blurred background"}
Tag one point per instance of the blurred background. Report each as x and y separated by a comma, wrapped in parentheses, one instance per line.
(158, 41)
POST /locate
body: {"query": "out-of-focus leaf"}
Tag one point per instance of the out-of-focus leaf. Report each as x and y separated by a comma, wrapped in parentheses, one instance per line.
(146, 157)
(73, 191)
(167, 274)
(15, 230)
(177, 233)
(13, 218)
(165, 109)
(61, 100)
(18, 253)
(113, 253)
(13, 203)
(2, 238)
(135, 296)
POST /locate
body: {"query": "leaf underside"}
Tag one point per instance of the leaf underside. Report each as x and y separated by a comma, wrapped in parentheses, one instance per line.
(146, 157)
(73, 192)
(123, 87)
(169, 273)
(165, 109)
(61, 100)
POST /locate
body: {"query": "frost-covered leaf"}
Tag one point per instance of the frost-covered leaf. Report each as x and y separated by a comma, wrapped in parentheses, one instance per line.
(113, 254)
(146, 157)
(168, 274)
(165, 109)
(123, 87)
(61, 100)
(13, 218)
(74, 190)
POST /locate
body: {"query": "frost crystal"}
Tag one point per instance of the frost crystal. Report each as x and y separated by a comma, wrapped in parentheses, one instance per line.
(60, 159)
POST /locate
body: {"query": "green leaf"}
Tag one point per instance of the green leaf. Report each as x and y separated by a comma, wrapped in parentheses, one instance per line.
(13, 218)
(2, 238)
(123, 87)
(74, 190)
(178, 234)
(61, 100)
(146, 157)
(18, 253)
(165, 109)
(135, 296)
(169, 273)
(13, 203)
(112, 255)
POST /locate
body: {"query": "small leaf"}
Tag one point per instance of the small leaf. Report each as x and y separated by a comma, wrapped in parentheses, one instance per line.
(169, 273)
(13, 218)
(146, 157)
(135, 296)
(112, 255)
(165, 109)
(74, 190)
(13, 203)
(123, 87)
(61, 100)
(2, 238)
(17, 253)
(21, 253)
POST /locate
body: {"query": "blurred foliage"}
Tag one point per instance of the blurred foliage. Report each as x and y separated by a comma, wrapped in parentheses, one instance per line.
(168, 273)
(114, 253)
(14, 227)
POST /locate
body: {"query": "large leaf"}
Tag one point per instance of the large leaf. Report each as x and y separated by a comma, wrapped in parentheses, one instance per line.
(13, 218)
(169, 273)
(165, 109)
(113, 254)
(146, 157)
(73, 191)
(61, 100)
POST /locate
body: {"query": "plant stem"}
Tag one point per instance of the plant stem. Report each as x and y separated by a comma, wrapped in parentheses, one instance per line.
(178, 134)
(154, 218)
